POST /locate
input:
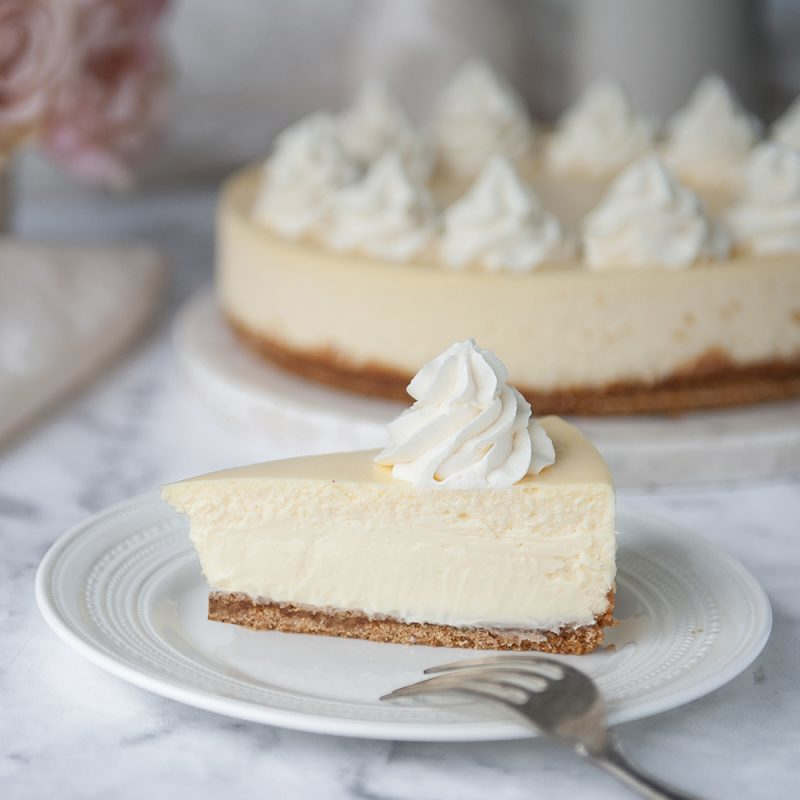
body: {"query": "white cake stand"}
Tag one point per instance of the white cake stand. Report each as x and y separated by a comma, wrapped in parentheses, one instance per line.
(760, 442)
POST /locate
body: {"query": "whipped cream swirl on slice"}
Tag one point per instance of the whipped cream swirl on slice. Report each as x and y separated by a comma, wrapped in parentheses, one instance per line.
(387, 214)
(376, 124)
(467, 429)
(479, 115)
(600, 134)
(710, 139)
(500, 224)
(647, 219)
(308, 165)
(787, 127)
(767, 221)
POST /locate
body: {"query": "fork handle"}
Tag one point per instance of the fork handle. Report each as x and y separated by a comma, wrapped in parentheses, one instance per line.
(613, 762)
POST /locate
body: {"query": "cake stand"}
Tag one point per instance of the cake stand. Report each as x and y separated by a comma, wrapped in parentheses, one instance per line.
(754, 443)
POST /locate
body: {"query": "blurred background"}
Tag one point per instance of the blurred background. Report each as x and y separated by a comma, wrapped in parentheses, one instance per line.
(244, 69)
(167, 97)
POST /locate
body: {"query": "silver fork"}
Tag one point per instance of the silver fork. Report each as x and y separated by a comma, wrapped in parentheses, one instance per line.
(557, 699)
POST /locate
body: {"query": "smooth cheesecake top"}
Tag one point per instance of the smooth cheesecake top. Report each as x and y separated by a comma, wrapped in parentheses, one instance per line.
(577, 462)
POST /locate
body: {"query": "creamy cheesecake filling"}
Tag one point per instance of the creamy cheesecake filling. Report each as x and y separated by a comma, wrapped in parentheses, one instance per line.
(455, 570)
(338, 532)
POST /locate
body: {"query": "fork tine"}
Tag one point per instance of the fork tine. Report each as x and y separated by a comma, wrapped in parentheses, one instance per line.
(548, 667)
(522, 679)
(466, 685)
(440, 683)
(497, 678)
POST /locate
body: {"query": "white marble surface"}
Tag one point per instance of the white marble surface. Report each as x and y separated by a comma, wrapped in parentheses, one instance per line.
(69, 730)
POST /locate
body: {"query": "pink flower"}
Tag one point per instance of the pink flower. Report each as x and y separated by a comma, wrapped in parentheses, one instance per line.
(108, 23)
(35, 56)
(104, 119)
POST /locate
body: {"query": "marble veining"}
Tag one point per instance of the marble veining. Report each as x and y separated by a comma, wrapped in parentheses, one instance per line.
(69, 730)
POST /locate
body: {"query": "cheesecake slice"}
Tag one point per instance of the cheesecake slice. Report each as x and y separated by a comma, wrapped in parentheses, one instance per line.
(337, 545)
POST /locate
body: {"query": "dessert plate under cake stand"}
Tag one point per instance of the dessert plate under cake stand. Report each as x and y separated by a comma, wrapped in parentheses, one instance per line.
(760, 442)
(124, 589)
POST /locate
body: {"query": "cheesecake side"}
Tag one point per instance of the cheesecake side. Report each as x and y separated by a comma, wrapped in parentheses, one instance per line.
(334, 544)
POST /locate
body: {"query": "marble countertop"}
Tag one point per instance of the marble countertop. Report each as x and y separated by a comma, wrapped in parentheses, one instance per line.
(68, 729)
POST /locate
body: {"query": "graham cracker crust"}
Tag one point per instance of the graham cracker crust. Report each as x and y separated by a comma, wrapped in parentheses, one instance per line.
(239, 609)
(711, 381)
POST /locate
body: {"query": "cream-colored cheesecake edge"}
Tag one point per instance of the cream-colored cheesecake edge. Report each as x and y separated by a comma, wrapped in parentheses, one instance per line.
(555, 329)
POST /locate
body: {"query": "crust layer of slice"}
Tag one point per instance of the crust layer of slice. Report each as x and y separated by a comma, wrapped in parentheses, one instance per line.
(239, 609)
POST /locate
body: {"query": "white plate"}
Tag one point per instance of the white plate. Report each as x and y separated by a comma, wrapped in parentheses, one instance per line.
(735, 444)
(125, 589)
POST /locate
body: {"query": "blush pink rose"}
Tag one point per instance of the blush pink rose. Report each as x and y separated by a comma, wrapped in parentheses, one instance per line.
(104, 119)
(36, 38)
(108, 23)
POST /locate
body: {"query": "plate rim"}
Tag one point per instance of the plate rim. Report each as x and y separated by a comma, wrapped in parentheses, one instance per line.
(487, 730)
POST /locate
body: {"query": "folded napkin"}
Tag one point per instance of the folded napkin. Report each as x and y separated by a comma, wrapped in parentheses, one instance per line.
(66, 312)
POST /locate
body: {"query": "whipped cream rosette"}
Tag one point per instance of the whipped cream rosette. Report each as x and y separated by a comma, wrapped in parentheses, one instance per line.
(468, 429)
(600, 134)
(500, 224)
(387, 214)
(786, 129)
(648, 219)
(709, 140)
(480, 115)
(376, 124)
(307, 167)
(767, 220)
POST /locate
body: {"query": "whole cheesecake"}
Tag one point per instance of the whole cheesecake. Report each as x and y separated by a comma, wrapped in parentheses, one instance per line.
(477, 527)
(642, 305)
(575, 341)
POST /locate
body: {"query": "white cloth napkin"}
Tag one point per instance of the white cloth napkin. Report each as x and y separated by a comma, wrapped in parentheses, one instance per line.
(65, 312)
